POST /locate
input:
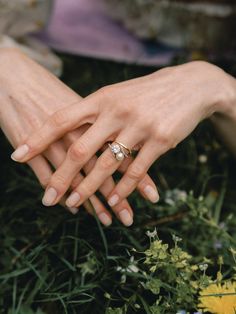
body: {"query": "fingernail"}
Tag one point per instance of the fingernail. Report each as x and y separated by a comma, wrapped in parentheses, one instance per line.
(125, 217)
(151, 193)
(20, 152)
(73, 199)
(73, 210)
(49, 197)
(113, 200)
(105, 219)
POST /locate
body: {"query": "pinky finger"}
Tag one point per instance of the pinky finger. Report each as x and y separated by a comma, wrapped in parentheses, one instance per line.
(146, 186)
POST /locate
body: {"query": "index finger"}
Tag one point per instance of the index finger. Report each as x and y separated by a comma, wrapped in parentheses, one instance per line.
(59, 123)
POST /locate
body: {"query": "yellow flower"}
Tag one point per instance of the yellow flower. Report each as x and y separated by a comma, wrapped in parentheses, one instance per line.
(223, 304)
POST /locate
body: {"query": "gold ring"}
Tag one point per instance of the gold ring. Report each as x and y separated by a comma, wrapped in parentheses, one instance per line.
(125, 147)
(119, 150)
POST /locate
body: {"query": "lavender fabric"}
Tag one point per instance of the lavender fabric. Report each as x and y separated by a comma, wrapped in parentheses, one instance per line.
(84, 27)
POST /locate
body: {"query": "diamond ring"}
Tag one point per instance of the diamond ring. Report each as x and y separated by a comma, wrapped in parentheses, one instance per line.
(119, 150)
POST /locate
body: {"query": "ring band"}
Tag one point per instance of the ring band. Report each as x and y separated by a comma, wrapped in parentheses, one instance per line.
(125, 148)
(119, 150)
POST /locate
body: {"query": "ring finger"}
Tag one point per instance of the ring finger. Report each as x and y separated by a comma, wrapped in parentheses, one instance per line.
(136, 172)
(105, 166)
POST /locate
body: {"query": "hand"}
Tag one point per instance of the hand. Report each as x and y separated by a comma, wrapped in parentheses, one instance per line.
(28, 98)
(155, 112)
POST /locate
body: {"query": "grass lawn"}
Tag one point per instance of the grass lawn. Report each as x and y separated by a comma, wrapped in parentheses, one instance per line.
(53, 262)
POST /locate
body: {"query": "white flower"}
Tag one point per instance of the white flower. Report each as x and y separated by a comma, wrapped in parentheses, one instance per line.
(175, 195)
(132, 269)
(202, 159)
(169, 201)
(176, 238)
(203, 267)
(152, 234)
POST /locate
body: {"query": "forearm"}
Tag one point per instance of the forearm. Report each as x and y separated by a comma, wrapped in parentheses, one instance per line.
(29, 94)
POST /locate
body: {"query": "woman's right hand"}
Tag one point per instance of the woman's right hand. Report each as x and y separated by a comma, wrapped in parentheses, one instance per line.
(29, 95)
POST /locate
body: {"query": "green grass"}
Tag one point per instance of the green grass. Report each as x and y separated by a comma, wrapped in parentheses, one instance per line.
(53, 262)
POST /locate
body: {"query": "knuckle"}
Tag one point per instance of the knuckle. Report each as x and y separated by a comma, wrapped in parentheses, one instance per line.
(59, 181)
(86, 190)
(136, 172)
(59, 118)
(78, 152)
(107, 91)
(44, 181)
(107, 162)
(163, 137)
(36, 143)
(166, 138)
(122, 112)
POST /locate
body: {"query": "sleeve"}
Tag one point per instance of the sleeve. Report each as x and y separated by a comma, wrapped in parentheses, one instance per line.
(18, 18)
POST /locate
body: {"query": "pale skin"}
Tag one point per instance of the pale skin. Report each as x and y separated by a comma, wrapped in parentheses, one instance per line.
(28, 99)
(154, 112)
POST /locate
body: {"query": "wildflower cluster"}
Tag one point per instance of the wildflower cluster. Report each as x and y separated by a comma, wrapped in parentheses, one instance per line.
(169, 275)
(175, 281)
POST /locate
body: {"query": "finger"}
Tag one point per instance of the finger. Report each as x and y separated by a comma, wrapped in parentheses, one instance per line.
(135, 173)
(123, 210)
(106, 187)
(61, 122)
(146, 186)
(43, 172)
(41, 169)
(93, 205)
(74, 135)
(56, 155)
(78, 155)
(105, 166)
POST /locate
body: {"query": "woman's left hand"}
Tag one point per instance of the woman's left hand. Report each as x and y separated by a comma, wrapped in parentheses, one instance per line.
(154, 112)
(28, 97)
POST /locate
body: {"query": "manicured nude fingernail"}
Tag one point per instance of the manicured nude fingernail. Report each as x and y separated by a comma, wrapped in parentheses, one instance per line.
(73, 210)
(151, 193)
(113, 200)
(125, 217)
(49, 197)
(20, 152)
(73, 199)
(105, 219)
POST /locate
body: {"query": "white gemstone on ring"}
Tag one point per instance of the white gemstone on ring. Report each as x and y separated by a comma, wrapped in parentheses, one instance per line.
(115, 148)
(118, 151)
(120, 156)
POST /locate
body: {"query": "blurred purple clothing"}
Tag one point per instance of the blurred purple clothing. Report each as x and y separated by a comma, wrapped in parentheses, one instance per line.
(84, 27)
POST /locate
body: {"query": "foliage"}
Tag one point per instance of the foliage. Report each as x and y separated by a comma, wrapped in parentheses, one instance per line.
(51, 262)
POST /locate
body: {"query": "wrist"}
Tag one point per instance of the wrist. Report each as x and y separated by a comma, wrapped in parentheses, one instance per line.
(225, 94)
(217, 90)
(227, 103)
